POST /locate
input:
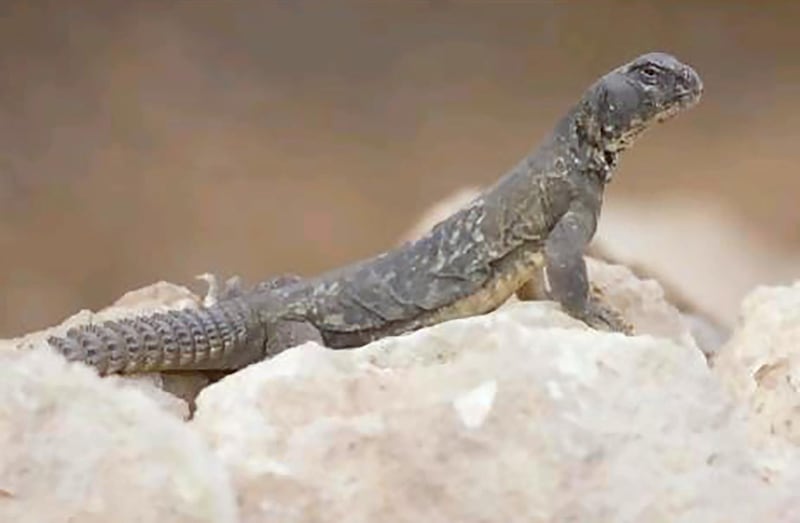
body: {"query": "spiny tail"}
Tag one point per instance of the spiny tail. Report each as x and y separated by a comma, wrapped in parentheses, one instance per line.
(226, 335)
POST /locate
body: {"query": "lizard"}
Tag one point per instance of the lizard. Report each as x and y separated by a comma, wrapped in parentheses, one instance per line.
(527, 231)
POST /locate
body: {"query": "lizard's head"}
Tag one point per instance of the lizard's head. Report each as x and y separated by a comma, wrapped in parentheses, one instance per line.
(626, 101)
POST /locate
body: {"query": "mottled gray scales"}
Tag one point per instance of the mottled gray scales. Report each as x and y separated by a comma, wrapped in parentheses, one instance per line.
(526, 234)
(150, 341)
(126, 344)
(182, 339)
(419, 277)
(225, 337)
(175, 338)
(232, 327)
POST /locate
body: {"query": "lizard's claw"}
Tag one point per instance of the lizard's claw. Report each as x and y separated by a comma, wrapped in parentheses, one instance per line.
(602, 316)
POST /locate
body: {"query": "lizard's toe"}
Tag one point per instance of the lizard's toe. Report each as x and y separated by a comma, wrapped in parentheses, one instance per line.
(602, 316)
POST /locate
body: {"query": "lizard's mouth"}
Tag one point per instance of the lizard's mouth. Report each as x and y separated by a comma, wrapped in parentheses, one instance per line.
(666, 114)
(681, 101)
(689, 98)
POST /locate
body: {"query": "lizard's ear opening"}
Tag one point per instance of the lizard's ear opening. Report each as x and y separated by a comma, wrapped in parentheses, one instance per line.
(621, 109)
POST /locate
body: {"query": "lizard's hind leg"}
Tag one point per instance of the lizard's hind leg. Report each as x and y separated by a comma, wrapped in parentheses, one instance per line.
(285, 334)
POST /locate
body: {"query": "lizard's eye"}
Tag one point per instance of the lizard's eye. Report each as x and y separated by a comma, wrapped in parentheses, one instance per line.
(649, 73)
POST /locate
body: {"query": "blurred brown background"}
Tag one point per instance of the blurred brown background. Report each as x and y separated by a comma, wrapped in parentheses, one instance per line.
(142, 141)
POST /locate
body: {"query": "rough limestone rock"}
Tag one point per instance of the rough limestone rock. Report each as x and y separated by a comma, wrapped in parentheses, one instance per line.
(641, 301)
(761, 362)
(524, 414)
(489, 419)
(75, 448)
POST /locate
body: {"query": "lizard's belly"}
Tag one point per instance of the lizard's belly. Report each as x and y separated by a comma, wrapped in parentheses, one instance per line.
(509, 274)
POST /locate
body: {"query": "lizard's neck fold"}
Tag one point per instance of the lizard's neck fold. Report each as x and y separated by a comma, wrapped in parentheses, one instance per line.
(580, 136)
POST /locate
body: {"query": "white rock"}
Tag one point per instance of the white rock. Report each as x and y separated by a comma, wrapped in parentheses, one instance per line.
(489, 419)
(761, 362)
(76, 448)
(524, 414)
(474, 406)
(641, 302)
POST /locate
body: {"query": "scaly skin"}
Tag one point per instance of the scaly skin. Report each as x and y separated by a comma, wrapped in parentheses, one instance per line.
(529, 230)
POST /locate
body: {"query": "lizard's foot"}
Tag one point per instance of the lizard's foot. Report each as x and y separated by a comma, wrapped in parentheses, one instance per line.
(287, 334)
(602, 316)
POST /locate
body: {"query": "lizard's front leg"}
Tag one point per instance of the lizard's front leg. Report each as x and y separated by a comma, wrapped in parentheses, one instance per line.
(566, 279)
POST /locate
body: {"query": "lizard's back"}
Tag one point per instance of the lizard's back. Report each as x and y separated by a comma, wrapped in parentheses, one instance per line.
(469, 263)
